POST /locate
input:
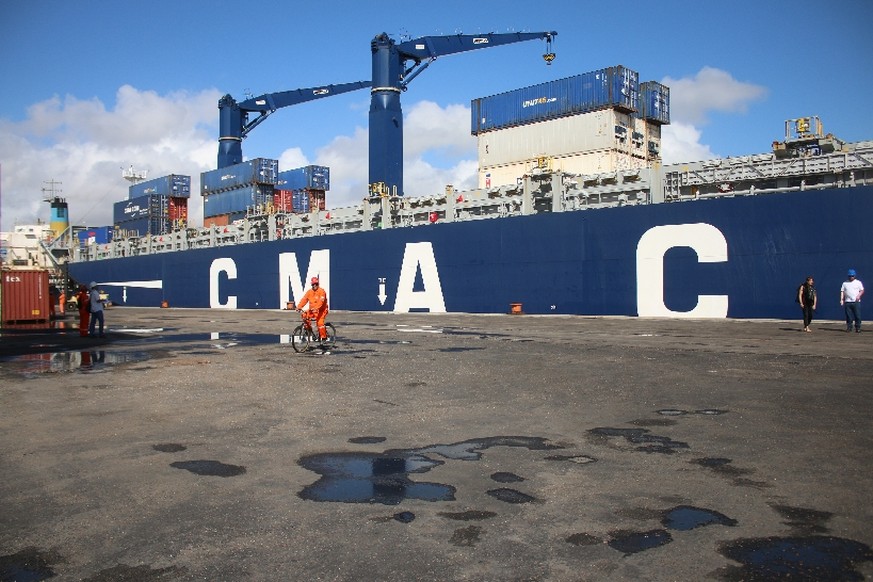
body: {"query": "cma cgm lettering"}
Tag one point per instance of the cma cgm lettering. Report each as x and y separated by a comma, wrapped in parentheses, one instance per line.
(418, 286)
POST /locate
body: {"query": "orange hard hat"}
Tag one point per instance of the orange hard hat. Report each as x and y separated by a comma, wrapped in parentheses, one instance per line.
(314, 281)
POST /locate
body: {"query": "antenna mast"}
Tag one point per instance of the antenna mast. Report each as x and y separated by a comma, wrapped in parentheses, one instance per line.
(134, 176)
(51, 193)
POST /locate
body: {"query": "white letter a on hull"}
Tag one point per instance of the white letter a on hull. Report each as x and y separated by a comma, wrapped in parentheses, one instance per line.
(419, 256)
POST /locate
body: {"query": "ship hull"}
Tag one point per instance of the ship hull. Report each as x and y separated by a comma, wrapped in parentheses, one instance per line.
(737, 257)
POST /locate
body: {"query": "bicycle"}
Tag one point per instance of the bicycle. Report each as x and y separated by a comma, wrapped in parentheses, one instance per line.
(306, 335)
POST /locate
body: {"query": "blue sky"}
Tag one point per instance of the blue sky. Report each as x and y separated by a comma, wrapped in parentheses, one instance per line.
(90, 87)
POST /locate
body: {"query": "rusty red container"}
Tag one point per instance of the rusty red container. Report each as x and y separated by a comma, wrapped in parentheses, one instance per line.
(25, 296)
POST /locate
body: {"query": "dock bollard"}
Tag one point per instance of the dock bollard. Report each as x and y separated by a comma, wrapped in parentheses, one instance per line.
(515, 309)
(165, 304)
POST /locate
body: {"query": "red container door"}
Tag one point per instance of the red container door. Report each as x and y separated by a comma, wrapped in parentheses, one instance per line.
(177, 212)
(25, 296)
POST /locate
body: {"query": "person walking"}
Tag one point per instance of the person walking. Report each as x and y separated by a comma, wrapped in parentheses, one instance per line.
(850, 299)
(83, 302)
(96, 310)
(808, 299)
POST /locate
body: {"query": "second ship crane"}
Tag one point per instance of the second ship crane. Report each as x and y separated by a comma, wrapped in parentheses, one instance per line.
(391, 77)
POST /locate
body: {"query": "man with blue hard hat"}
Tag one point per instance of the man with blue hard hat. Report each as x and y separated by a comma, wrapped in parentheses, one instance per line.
(850, 299)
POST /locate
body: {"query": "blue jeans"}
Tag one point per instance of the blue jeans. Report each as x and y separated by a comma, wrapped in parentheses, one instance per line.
(95, 315)
(853, 313)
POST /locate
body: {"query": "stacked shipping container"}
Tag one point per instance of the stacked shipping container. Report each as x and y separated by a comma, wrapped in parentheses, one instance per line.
(609, 88)
(302, 189)
(229, 192)
(154, 207)
(596, 122)
(174, 185)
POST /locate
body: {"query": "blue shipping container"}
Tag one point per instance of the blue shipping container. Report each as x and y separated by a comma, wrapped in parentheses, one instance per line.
(313, 177)
(300, 201)
(257, 171)
(655, 102)
(150, 205)
(237, 200)
(99, 235)
(613, 87)
(173, 185)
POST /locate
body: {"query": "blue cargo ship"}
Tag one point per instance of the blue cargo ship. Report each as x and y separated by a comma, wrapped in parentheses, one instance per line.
(740, 255)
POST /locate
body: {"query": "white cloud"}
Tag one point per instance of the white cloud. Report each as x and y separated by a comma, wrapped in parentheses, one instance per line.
(711, 89)
(292, 158)
(680, 142)
(84, 145)
(691, 100)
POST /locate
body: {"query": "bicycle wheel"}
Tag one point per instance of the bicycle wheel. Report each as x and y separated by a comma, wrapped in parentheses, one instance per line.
(331, 336)
(300, 339)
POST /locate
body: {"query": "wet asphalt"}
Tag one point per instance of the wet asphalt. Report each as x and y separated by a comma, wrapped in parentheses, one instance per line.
(197, 445)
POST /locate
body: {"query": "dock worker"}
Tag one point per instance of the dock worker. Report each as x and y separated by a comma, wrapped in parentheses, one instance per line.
(96, 305)
(83, 302)
(316, 297)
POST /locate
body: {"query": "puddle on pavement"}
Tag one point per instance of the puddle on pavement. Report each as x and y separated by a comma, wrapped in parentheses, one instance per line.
(582, 539)
(503, 477)
(210, 468)
(795, 558)
(631, 542)
(466, 536)
(28, 565)
(802, 519)
(686, 517)
(371, 478)
(76, 361)
(384, 477)
(640, 436)
(507, 495)
(404, 517)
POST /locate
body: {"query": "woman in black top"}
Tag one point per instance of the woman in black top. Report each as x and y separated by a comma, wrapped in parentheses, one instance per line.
(807, 298)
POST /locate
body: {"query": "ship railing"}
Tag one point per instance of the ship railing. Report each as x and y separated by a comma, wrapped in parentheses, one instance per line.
(859, 157)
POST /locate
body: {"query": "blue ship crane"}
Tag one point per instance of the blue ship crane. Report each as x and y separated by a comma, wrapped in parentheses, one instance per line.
(234, 122)
(391, 77)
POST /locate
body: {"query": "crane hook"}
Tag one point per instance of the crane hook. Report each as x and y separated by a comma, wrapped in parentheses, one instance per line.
(549, 56)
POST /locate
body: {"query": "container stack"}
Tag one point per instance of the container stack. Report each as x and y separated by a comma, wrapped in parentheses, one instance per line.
(600, 122)
(154, 207)
(302, 190)
(228, 193)
(610, 88)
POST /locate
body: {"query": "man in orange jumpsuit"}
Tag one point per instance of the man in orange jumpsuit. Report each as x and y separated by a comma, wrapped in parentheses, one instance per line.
(316, 297)
(83, 301)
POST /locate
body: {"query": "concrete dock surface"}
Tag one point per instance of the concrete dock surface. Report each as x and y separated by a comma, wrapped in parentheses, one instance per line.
(198, 445)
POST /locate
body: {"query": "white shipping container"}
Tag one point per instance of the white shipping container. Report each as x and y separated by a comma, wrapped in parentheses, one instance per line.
(592, 163)
(599, 130)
